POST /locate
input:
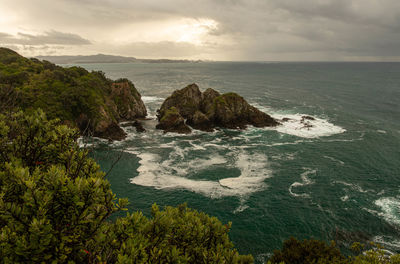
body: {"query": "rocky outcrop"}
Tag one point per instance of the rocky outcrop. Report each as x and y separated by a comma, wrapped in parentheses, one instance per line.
(122, 103)
(127, 100)
(172, 121)
(87, 100)
(186, 100)
(205, 111)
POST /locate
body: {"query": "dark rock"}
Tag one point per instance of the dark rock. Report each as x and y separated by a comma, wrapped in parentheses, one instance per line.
(230, 110)
(127, 100)
(305, 117)
(200, 121)
(111, 132)
(208, 99)
(139, 127)
(186, 100)
(172, 121)
(127, 124)
(286, 119)
(210, 109)
(307, 125)
(124, 104)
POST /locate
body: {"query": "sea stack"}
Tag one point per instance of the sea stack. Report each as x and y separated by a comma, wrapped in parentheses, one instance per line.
(208, 110)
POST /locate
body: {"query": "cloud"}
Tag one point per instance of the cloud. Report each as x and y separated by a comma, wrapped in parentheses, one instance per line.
(162, 49)
(246, 29)
(48, 38)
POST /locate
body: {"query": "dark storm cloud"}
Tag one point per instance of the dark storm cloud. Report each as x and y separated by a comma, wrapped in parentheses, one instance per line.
(247, 29)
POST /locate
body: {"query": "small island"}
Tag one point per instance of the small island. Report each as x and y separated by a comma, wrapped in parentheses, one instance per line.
(207, 111)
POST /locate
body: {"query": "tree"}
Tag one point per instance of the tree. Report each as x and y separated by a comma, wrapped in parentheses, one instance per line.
(307, 251)
(54, 198)
(55, 205)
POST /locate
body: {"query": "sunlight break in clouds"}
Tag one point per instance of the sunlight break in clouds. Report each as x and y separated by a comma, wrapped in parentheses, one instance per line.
(262, 30)
(195, 31)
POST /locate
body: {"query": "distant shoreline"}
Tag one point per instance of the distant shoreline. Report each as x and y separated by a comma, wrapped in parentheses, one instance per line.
(102, 58)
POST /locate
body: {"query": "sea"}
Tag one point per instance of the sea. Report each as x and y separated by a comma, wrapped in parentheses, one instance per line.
(336, 179)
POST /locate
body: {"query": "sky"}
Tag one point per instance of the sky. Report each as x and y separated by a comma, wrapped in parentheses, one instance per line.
(228, 30)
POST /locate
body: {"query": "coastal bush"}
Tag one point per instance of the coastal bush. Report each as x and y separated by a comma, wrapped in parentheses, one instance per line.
(319, 252)
(307, 251)
(54, 198)
(55, 206)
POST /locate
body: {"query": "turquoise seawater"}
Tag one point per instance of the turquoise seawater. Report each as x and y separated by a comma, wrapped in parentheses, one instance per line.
(338, 180)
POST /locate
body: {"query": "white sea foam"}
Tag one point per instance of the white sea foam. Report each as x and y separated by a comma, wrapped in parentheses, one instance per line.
(344, 198)
(381, 131)
(287, 143)
(382, 192)
(306, 128)
(335, 160)
(390, 207)
(150, 99)
(387, 241)
(305, 181)
(353, 186)
(90, 142)
(240, 208)
(166, 174)
(252, 174)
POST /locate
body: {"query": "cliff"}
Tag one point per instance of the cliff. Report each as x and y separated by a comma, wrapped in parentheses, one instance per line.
(87, 100)
(205, 111)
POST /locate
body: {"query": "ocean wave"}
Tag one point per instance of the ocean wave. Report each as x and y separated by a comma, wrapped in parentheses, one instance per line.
(387, 241)
(296, 126)
(85, 142)
(158, 174)
(305, 181)
(390, 207)
(151, 99)
(353, 186)
(334, 160)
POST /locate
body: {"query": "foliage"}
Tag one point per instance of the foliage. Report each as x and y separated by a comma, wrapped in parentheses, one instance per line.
(72, 94)
(174, 235)
(55, 205)
(306, 251)
(54, 199)
(319, 252)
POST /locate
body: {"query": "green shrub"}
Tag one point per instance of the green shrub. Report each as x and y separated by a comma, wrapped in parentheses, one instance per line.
(307, 251)
(319, 252)
(55, 205)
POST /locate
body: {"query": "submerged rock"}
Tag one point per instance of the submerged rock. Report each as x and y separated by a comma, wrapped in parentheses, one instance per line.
(286, 119)
(139, 127)
(208, 110)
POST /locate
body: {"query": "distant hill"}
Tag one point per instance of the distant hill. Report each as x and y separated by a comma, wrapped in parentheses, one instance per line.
(102, 58)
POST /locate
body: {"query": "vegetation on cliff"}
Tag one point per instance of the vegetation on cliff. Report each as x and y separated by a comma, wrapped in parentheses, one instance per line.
(87, 100)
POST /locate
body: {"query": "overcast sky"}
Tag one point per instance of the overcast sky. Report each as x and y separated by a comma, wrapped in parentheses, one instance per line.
(262, 30)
